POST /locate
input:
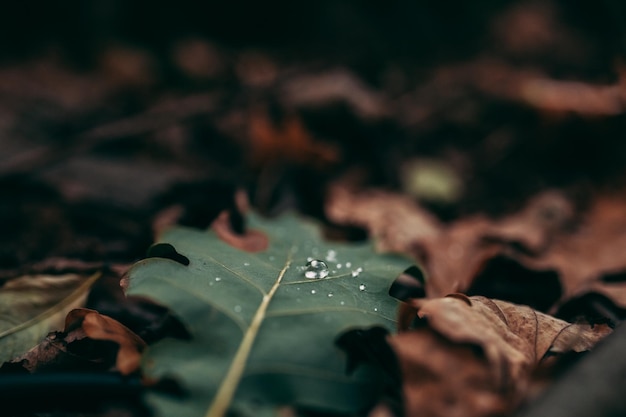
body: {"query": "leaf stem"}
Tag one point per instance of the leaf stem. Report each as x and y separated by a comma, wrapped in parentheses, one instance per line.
(227, 389)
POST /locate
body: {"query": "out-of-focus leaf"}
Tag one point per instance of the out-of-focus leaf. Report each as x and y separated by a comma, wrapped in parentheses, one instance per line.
(262, 333)
(32, 306)
(453, 255)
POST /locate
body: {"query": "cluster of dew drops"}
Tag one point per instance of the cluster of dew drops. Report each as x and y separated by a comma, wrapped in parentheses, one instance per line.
(318, 269)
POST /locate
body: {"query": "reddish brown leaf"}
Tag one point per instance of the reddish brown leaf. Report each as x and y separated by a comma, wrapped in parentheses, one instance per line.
(593, 251)
(453, 255)
(395, 221)
(441, 378)
(289, 141)
(444, 375)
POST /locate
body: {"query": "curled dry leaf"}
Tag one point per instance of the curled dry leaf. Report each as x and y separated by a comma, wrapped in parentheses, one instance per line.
(475, 356)
(70, 348)
(100, 327)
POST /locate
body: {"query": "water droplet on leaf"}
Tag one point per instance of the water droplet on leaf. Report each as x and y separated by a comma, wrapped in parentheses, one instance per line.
(330, 294)
(237, 309)
(218, 279)
(316, 269)
(357, 272)
(362, 287)
(313, 291)
(246, 264)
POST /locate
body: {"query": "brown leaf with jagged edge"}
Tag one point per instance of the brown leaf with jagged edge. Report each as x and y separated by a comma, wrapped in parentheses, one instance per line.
(474, 356)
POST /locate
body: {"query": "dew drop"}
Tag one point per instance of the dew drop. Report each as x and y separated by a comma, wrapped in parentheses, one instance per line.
(316, 269)
(330, 294)
(361, 287)
(342, 303)
(331, 255)
(218, 279)
(348, 264)
(357, 272)
(375, 308)
(246, 264)
(237, 309)
(338, 266)
(309, 259)
(313, 291)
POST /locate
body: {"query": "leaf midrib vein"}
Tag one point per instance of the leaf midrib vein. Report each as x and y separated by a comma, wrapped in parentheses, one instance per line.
(226, 391)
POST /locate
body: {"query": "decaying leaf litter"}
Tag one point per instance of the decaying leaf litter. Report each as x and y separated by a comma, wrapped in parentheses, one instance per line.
(497, 173)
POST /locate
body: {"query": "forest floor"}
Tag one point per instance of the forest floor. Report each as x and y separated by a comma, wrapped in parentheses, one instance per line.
(500, 170)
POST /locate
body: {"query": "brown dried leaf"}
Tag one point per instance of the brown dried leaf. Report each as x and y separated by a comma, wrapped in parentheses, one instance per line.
(100, 327)
(594, 251)
(441, 378)
(440, 367)
(395, 221)
(453, 255)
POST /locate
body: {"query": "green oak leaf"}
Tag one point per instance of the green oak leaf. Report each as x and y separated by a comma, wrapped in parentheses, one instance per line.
(262, 333)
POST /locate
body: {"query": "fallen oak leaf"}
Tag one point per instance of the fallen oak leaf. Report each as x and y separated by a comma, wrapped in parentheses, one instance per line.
(100, 327)
(512, 339)
(259, 323)
(500, 328)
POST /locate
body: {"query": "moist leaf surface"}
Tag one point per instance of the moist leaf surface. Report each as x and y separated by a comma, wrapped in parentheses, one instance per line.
(262, 333)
